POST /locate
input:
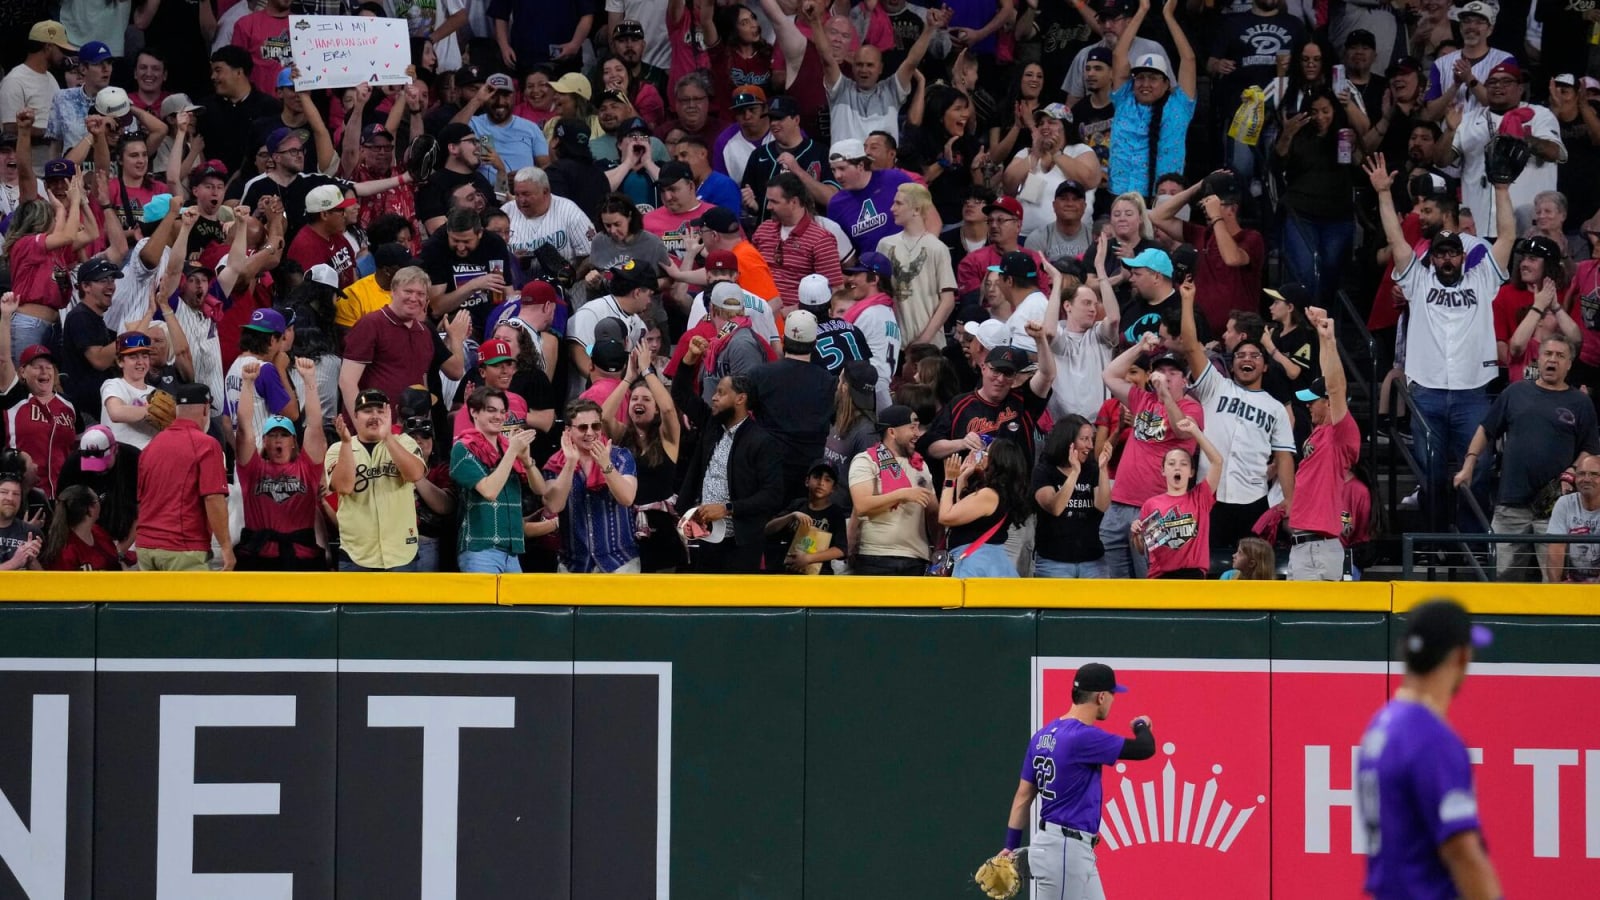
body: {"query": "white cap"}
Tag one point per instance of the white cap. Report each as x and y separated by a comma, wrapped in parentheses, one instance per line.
(727, 296)
(112, 101)
(322, 273)
(325, 198)
(800, 326)
(177, 103)
(815, 290)
(849, 148)
(1476, 7)
(222, 263)
(991, 333)
(1153, 62)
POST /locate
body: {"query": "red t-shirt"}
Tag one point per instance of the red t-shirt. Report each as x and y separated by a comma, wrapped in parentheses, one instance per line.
(137, 196)
(179, 469)
(1357, 513)
(1319, 481)
(671, 227)
(1150, 437)
(1218, 287)
(688, 47)
(396, 355)
(312, 249)
(236, 311)
(37, 274)
(402, 201)
(46, 430)
(281, 498)
(266, 38)
(1177, 530)
(77, 556)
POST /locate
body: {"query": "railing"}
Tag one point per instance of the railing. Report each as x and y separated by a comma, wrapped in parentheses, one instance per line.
(1435, 510)
(1370, 379)
(1409, 542)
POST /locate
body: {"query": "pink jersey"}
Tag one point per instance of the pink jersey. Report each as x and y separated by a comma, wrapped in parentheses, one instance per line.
(1177, 530)
(281, 498)
(1150, 437)
(1319, 481)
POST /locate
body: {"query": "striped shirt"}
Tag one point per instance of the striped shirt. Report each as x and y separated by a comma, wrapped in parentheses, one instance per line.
(596, 530)
(809, 248)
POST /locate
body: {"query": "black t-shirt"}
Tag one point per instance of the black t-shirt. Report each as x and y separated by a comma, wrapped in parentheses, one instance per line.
(226, 126)
(839, 342)
(445, 268)
(1140, 317)
(1062, 34)
(1301, 346)
(580, 181)
(1094, 128)
(293, 196)
(830, 519)
(13, 536)
(117, 487)
(1252, 42)
(433, 198)
(961, 535)
(1014, 418)
(763, 165)
(795, 402)
(83, 329)
(1544, 430)
(204, 233)
(1579, 177)
(1073, 536)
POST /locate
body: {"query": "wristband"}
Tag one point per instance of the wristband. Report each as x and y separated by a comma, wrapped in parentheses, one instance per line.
(943, 163)
(1568, 478)
(949, 482)
(1013, 838)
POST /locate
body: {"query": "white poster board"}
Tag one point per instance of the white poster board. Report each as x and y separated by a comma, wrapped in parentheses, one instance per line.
(344, 51)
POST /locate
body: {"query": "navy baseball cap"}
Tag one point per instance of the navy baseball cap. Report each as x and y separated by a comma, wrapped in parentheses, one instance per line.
(98, 269)
(635, 125)
(718, 218)
(1436, 628)
(1098, 54)
(574, 130)
(1317, 391)
(782, 107)
(1007, 360)
(1097, 677)
(372, 131)
(1016, 264)
(673, 172)
(60, 168)
(192, 394)
(873, 262)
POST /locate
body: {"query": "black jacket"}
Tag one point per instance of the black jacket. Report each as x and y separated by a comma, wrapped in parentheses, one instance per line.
(755, 470)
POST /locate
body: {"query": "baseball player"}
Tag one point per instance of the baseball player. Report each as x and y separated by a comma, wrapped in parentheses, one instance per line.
(1414, 789)
(1062, 769)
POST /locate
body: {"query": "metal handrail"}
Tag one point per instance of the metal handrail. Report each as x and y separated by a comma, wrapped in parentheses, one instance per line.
(1408, 545)
(1371, 382)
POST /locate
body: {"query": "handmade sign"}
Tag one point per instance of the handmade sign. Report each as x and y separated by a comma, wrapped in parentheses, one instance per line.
(344, 51)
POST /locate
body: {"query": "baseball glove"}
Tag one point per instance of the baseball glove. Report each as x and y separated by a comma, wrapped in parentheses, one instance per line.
(160, 409)
(422, 157)
(1505, 158)
(998, 877)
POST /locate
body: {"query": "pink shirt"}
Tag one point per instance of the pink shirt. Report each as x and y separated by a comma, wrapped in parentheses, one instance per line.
(1150, 437)
(1177, 530)
(516, 416)
(281, 498)
(34, 271)
(266, 38)
(1319, 479)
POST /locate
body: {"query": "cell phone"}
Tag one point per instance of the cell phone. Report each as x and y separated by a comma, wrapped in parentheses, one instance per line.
(1340, 82)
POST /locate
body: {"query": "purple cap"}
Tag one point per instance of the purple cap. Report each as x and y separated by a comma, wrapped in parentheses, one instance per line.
(268, 321)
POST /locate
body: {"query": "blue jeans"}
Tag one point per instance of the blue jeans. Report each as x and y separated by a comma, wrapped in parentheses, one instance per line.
(27, 331)
(1314, 252)
(345, 565)
(1120, 560)
(488, 562)
(1049, 568)
(1452, 417)
(988, 561)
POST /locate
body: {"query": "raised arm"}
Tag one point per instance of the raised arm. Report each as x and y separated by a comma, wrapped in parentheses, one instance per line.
(1044, 378)
(937, 18)
(1121, 66)
(1505, 224)
(350, 144)
(1191, 428)
(1189, 335)
(1186, 61)
(1165, 215)
(1116, 374)
(1382, 180)
(790, 40)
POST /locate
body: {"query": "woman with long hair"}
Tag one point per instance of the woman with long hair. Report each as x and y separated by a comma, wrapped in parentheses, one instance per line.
(985, 492)
(1072, 489)
(75, 541)
(1318, 195)
(1130, 233)
(1582, 300)
(1307, 72)
(134, 185)
(621, 238)
(1024, 98)
(41, 248)
(1253, 560)
(739, 56)
(937, 373)
(1289, 340)
(947, 147)
(855, 426)
(646, 100)
(652, 432)
(1542, 319)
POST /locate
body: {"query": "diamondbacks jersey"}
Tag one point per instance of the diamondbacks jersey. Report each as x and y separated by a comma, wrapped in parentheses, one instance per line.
(1413, 792)
(1248, 427)
(1450, 335)
(1063, 761)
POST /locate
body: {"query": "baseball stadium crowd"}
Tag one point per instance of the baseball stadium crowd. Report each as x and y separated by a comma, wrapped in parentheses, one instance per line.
(1059, 288)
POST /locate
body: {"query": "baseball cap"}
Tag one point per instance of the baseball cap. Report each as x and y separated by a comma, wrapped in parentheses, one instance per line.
(112, 101)
(635, 125)
(1152, 62)
(326, 198)
(495, 351)
(178, 103)
(1446, 240)
(861, 380)
(1097, 677)
(286, 78)
(267, 321)
(94, 52)
(1016, 264)
(782, 107)
(896, 416)
(573, 83)
(800, 327)
(1184, 260)
(626, 29)
(192, 395)
(97, 449)
(1170, 360)
(575, 131)
(278, 136)
(727, 296)
(539, 292)
(722, 261)
(1405, 64)
(615, 97)
(633, 275)
(1098, 54)
(156, 210)
(673, 172)
(718, 218)
(1479, 8)
(1541, 247)
(1434, 629)
(1006, 359)
(1150, 258)
(469, 75)
(1505, 67)
(749, 95)
(371, 397)
(323, 274)
(1011, 206)
(848, 149)
(1057, 111)
(8, 140)
(1293, 293)
(991, 333)
(823, 467)
(814, 290)
(1428, 184)
(36, 351)
(455, 133)
(131, 342)
(276, 423)
(1117, 9)
(373, 131)
(873, 262)
(97, 269)
(502, 82)
(1071, 187)
(51, 32)
(211, 168)
(1224, 185)
(60, 168)
(609, 356)
(390, 256)
(1361, 38)
(1591, 83)
(1317, 391)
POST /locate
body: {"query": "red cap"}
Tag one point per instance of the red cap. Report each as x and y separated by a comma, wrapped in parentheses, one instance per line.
(539, 292)
(722, 261)
(1506, 67)
(1008, 205)
(495, 351)
(34, 352)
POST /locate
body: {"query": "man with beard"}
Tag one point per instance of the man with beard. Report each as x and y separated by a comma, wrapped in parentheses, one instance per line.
(891, 492)
(1450, 350)
(230, 113)
(1243, 56)
(32, 85)
(367, 154)
(281, 483)
(794, 243)
(1248, 426)
(519, 142)
(1458, 78)
(374, 472)
(629, 156)
(470, 268)
(89, 346)
(38, 421)
(645, 60)
(20, 541)
(735, 481)
(1000, 409)
(460, 147)
(1114, 20)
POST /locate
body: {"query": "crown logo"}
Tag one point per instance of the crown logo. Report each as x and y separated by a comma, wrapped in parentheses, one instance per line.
(1173, 816)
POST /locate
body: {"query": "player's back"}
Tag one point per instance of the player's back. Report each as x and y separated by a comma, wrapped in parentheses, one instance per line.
(1413, 792)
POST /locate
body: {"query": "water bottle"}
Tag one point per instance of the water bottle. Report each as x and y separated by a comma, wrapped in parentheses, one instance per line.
(1347, 139)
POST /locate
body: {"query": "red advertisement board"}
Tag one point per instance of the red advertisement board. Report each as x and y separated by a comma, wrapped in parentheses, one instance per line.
(1249, 795)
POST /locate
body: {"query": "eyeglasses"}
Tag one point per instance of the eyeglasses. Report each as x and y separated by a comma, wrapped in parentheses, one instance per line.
(291, 151)
(1248, 356)
(1003, 220)
(586, 427)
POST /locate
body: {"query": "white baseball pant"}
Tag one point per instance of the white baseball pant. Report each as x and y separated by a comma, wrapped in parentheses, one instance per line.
(1063, 868)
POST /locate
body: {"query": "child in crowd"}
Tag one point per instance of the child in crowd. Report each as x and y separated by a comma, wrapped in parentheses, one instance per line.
(815, 551)
(1253, 561)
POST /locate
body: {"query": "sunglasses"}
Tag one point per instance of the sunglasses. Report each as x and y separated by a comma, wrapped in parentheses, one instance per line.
(587, 427)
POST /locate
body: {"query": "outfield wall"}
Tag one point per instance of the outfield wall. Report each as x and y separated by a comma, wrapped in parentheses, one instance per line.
(449, 736)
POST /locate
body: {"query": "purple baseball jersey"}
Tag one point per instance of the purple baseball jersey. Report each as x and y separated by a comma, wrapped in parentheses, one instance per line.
(1413, 792)
(1063, 762)
(864, 214)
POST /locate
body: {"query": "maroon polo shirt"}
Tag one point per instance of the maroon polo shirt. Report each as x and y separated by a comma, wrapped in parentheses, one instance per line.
(1218, 287)
(180, 468)
(397, 355)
